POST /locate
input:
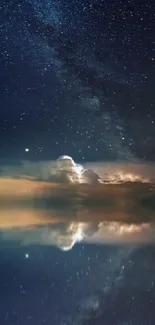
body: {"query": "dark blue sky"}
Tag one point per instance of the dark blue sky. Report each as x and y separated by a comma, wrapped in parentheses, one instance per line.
(77, 78)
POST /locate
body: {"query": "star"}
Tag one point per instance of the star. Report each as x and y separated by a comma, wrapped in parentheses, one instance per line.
(27, 255)
(27, 149)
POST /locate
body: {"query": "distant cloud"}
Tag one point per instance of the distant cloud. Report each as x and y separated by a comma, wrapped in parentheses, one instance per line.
(61, 203)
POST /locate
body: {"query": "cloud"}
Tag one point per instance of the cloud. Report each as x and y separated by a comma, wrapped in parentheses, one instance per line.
(61, 203)
(45, 170)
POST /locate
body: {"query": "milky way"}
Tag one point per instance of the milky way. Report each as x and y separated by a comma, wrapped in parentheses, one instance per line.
(78, 77)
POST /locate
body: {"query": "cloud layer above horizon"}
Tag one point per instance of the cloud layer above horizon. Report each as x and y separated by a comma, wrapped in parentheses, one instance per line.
(61, 203)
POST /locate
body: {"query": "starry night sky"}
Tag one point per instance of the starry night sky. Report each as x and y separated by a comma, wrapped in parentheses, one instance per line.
(77, 78)
(48, 286)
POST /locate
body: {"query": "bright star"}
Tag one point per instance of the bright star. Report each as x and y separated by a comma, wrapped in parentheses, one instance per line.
(27, 149)
(27, 255)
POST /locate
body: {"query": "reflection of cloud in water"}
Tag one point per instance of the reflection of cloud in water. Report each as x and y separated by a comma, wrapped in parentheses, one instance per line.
(65, 236)
(61, 235)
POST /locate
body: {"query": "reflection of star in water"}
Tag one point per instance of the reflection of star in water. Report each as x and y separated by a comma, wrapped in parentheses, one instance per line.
(27, 255)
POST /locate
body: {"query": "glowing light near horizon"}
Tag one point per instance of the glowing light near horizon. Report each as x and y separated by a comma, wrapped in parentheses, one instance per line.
(122, 229)
(125, 177)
